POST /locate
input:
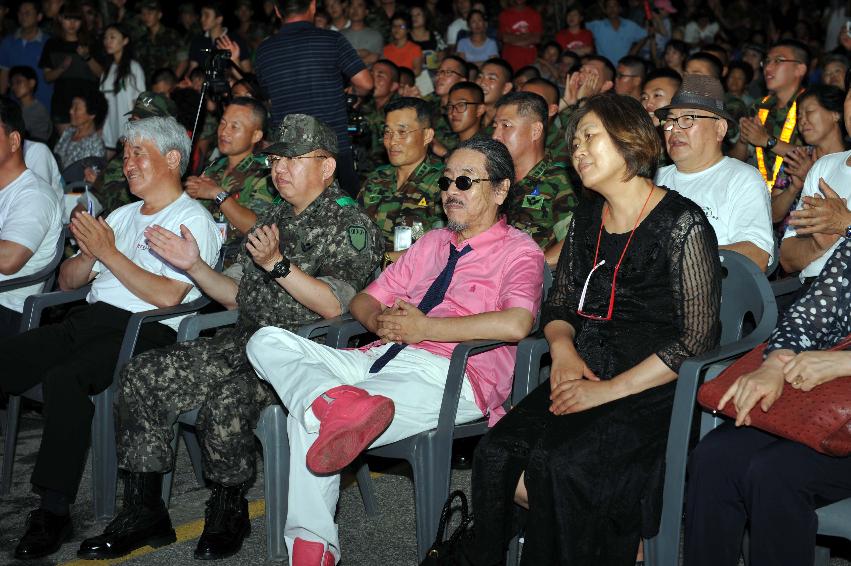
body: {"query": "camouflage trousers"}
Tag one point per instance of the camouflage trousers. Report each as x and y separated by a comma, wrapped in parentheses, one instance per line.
(212, 374)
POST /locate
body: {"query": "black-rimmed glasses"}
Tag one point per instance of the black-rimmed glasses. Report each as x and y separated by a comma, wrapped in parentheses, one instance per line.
(685, 121)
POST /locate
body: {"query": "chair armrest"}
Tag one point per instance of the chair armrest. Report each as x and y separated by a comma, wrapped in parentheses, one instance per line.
(134, 326)
(527, 367)
(326, 327)
(455, 378)
(785, 286)
(34, 305)
(342, 329)
(191, 326)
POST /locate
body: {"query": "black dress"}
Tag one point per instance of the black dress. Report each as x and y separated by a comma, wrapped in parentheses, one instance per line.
(594, 477)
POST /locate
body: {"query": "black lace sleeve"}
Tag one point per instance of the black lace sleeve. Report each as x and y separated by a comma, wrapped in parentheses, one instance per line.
(561, 303)
(819, 319)
(695, 278)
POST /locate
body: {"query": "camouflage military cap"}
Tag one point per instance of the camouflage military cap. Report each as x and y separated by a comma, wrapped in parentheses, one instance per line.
(151, 105)
(150, 5)
(299, 134)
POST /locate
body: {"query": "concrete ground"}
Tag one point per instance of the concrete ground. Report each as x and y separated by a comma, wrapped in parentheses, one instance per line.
(388, 539)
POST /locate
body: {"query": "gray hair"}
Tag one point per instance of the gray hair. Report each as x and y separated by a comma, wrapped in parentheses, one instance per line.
(166, 133)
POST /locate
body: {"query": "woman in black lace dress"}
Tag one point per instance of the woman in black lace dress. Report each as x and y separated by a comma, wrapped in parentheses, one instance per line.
(636, 292)
(740, 475)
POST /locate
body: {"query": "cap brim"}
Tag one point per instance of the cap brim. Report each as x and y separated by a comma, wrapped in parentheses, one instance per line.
(289, 150)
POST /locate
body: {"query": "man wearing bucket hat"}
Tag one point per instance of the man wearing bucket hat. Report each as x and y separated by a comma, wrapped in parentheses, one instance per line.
(304, 260)
(732, 194)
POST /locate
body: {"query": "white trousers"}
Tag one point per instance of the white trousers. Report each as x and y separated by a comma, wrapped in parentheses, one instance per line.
(301, 370)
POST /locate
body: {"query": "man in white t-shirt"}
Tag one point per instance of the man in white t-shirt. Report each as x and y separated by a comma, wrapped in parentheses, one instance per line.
(40, 160)
(732, 194)
(30, 221)
(76, 357)
(822, 217)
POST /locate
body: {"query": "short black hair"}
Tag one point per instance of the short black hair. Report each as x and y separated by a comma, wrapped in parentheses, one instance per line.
(405, 17)
(635, 63)
(835, 58)
(292, 7)
(829, 97)
(606, 63)
(499, 165)
(502, 64)
(664, 73)
(529, 104)
(96, 104)
(743, 67)
(405, 71)
(678, 45)
(529, 71)
(465, 67)
(714, 62)
(478, 93)
(215, 6)
(802, 52)
(549, 85)
(163, 75)
(11, 117)
(394, 68)
(24, 71)
(258, 110)
(249, 81)
(423, 109)
(714, 48)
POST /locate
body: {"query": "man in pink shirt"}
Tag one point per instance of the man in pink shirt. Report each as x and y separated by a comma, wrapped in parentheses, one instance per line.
(342, 401)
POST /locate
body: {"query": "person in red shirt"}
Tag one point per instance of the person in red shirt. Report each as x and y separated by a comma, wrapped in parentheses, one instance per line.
(520, 32)
(575, 37)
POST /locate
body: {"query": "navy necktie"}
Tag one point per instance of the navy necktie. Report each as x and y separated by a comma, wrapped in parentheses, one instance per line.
(433, 297)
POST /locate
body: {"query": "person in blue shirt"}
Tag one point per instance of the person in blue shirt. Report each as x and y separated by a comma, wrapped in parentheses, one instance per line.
(614, 36)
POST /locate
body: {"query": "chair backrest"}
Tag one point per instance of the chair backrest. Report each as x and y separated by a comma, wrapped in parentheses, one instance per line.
(45, 274)
(744, 291)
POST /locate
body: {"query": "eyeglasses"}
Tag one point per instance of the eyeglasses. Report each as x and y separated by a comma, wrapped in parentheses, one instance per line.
(580, 310)
(272, 160)
(685, 121)
(399, 26)
(447, 72)
(460, 107)
(463, 182)
(402, 134)
(777, 60)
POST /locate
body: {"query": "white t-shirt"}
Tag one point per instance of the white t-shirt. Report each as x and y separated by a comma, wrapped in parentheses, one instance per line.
(29, 216)
(120, 102)
(837, 174)
(39, 159)
(453, 29)
(734, 197)
(129, 225)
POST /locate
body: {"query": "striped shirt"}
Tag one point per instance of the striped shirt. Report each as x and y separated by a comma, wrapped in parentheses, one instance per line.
(302, 69)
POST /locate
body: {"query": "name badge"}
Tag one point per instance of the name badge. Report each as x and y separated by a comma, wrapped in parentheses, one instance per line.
(223, 228)
(402, 238)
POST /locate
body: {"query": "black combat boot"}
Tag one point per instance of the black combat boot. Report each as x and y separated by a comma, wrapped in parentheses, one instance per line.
(142, 521)
(45, 533)
(226, 523)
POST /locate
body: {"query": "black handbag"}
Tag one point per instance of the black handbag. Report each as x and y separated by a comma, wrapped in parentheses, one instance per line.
(449, 552)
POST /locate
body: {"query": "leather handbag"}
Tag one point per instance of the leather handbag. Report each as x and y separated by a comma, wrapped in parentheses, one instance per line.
(449, 552)
(819, 418)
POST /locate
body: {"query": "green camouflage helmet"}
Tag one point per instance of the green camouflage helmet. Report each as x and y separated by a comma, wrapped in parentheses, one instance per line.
(152, 105)
(299, 134)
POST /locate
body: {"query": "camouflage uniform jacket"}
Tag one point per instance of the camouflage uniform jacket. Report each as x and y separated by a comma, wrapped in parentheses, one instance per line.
(166, 49)
(774, 126)
(442, 130)
(417, 200)
(250, 184)
(332, 239)
(542, 203)
(556, 144)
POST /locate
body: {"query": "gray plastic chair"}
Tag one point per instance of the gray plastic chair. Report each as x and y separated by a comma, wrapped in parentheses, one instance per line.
(271, 430)
(744, 290)
(12, 413)
(429, 453)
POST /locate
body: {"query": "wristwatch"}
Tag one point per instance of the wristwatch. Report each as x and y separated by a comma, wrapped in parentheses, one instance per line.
(848, 232)
(772, 141)
(280, 269)
(222, 197)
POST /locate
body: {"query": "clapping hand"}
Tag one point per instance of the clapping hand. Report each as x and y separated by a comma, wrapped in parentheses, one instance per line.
(202, 187)
(94, 236)
(824, 216)
(753, 131)
(180, 251)
(264, 246)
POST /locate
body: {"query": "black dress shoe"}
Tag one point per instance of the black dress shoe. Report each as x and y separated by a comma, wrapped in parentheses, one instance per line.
(226, 524)
(143, 521)
(44, 535)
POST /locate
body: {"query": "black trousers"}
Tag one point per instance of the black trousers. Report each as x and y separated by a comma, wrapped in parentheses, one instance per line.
(72, 360)
(740, 476)
(10, 322)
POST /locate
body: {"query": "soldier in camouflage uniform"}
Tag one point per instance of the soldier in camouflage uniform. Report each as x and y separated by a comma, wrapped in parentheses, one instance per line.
(385, 77)
(555, 144)
(306, 259)
(452, 71)
(236, 187)
(110, 190)
(160, 46)
(495, 80)
(405, 192)
(542, 200)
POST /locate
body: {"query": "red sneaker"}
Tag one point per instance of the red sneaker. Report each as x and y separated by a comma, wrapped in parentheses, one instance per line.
(350, 420)
(309, 553)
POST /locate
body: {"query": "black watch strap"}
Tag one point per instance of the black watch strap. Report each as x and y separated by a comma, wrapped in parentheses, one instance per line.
(280, 269)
